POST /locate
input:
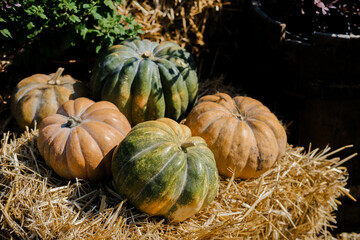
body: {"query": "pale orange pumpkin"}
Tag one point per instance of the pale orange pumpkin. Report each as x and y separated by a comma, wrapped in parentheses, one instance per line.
(40, 95)
(245, 137)
(78, 141)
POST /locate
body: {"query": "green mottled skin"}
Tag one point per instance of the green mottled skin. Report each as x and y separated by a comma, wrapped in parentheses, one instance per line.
(163, 84)
(162, 176)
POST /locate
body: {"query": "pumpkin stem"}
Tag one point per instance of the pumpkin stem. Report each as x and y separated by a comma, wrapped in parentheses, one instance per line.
(73, 122)
(240, 116)
(185, 145)
(147, 54)
(55, 79)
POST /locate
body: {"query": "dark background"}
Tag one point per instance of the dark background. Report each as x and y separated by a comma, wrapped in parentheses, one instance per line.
(315, 114)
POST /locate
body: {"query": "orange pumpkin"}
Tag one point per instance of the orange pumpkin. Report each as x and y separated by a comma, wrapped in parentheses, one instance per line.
(40, 95)
(78, 141)
(245, 137)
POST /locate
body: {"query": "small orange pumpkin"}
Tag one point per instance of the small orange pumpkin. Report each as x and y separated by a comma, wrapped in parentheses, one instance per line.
(40, 95)
(78, 141)
(245, 137)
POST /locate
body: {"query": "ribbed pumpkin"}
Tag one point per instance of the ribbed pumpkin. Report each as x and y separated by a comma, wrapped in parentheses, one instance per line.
(78, 141)
(245, 137)
(40, 95)
(146, 80)
(164, 171)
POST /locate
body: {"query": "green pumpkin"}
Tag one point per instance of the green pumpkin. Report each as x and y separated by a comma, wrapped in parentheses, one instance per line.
(146, 80)
(164, 171)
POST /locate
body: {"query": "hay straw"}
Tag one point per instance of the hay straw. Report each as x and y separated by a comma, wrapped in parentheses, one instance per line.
(349, 236)
(214, 85)
(180, 21)
(295, 199)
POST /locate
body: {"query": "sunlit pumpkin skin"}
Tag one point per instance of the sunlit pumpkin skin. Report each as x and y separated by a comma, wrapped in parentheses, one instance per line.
(164, 171)
(146, 80)
(245, 137)
(40, 95)
(78, 141)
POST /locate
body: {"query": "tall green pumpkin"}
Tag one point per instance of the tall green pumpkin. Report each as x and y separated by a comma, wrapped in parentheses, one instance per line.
(146, 80)
(164, 171)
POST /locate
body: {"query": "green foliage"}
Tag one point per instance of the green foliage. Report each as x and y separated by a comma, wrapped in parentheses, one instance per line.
(58, 25)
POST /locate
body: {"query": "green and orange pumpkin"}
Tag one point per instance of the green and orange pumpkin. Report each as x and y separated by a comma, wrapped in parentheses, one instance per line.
(146, 80)
(78, 141)
(164, 171)
(245, 137)
(40, 95)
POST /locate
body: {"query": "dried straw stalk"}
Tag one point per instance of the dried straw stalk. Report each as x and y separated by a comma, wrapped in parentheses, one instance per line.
(180, 21)
(295, 199)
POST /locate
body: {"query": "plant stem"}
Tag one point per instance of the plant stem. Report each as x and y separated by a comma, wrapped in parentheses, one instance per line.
(185, 145)
(73, 122)
(55, 80)
(147, 54)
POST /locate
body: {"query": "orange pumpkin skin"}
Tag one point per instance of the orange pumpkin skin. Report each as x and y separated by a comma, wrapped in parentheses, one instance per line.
(78, 141)
(245, 137)
(40, 95)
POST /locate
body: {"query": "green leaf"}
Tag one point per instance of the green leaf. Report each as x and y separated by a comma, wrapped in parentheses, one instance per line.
(73, 18)
(72, 6)
(31, 10)
(119, 29)
(82, 30)
(94, 32)
(110, 4)
(95, 14)
(30, 25)
(42, 15)
(98, 48)
(109, 40)
(94, 22)
(6, 33)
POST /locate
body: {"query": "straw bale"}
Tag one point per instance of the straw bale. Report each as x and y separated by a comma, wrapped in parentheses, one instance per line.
(217, 84)
(180, 21)
(295, 199)
(349, 236)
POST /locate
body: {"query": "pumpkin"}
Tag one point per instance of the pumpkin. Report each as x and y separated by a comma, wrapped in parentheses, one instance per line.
(40, 95)
(164, 171)
(78, 141)
(146, 80)
(245, 137)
